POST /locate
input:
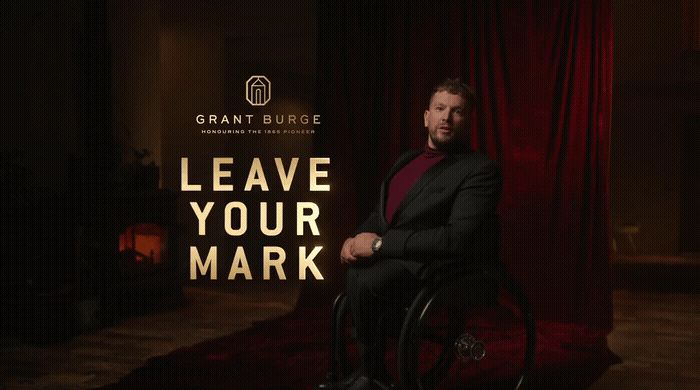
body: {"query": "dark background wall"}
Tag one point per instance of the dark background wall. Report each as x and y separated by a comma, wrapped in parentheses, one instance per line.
(86, 83)
(38, 112)
(654, 128)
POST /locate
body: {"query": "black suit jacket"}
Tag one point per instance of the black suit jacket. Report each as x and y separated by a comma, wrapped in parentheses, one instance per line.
(448, 217)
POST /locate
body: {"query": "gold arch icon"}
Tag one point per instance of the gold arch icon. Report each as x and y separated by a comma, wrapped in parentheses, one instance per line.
(257, 90)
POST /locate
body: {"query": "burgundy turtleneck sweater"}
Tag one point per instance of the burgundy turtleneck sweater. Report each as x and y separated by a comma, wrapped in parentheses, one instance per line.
(405, 178)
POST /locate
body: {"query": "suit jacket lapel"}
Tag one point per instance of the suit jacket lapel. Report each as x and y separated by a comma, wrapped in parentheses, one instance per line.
(427, 177)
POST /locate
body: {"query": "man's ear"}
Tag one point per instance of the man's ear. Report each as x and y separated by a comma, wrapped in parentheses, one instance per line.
(425, 117)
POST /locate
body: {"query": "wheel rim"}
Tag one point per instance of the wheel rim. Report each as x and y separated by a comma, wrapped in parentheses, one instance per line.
(346, 353)
(458, 350)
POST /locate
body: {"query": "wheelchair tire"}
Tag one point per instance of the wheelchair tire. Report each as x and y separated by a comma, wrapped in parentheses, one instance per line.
(467, 332)
(347, 357)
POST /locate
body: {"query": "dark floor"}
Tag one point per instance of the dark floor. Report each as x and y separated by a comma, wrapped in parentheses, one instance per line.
(657, 336)
(656, 333)
(102, 357)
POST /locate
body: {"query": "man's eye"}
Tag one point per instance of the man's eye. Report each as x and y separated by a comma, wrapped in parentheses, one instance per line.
(439, 108)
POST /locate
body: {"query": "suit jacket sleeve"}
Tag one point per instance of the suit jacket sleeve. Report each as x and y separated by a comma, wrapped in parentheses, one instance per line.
(373, 223)
(476, 198)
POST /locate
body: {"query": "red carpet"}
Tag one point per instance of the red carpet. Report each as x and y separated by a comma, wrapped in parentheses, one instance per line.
(292, 353)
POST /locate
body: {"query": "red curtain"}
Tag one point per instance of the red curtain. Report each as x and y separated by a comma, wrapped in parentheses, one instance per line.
(542, 73)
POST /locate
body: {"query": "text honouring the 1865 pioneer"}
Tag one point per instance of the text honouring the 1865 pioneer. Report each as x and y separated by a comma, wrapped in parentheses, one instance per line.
(273, 256)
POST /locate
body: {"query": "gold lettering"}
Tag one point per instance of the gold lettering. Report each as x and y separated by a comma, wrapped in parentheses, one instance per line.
(243, 219)
(196, 263)
(286, 178)
(268, 262)
(278, 219)
(218, 174)
(256, 176)
(308, 262)
(184, 180)
(310, 219)
(239, 265)
(314, 174)
(202, 215)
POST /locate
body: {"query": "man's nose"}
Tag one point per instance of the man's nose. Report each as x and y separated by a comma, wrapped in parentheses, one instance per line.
(447, 116)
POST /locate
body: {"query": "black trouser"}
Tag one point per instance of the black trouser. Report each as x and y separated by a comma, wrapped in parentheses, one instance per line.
(377, 292)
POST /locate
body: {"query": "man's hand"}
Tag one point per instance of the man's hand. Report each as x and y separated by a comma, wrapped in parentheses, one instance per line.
(357, 247)
(362, 245)
(346, 255)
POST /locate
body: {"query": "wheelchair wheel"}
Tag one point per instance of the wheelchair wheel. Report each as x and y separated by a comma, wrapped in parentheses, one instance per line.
(469, 332)
(347, 357)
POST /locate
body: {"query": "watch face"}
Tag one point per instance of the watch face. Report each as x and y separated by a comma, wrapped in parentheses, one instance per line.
(376, 244)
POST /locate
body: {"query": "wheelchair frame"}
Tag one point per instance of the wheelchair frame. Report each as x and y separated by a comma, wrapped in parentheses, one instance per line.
(416, 315)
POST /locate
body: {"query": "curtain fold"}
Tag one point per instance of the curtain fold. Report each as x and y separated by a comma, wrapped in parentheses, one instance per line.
(542, 71)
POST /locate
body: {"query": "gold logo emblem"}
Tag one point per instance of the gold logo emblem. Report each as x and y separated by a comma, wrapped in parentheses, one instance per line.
(257, 90)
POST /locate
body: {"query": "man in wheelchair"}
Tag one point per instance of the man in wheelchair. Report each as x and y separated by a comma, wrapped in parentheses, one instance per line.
(436, 212)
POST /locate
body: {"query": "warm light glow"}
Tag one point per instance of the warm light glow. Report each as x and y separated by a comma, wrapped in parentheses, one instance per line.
(146, 240)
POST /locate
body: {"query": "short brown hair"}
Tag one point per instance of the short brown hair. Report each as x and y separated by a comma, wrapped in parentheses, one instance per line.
(456, 87)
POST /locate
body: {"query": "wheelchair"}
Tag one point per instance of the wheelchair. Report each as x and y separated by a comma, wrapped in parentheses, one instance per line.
(472, 328)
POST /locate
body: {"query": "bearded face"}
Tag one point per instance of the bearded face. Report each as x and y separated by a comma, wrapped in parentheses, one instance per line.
(446, 119)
